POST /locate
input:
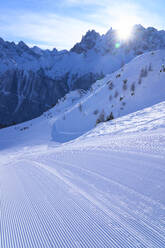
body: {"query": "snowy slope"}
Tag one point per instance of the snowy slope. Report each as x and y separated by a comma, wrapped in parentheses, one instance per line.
(39, 130)
(78, 112)
(136, 85)
(105, 189)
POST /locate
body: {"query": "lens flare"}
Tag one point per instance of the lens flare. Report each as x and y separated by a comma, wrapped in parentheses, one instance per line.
(117, 45)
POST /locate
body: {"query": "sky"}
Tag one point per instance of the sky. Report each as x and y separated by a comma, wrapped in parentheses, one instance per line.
(61, 23)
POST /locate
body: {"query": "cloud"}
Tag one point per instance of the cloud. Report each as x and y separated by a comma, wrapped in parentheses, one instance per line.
(64, 29)
(110, 12)
(82, 2)
(104, 3)
(48, 29)
(120, 13)
(42, 46)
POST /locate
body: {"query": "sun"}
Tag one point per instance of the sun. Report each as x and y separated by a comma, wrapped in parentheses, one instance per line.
(124, 23)
(124, 32)
(124, 27)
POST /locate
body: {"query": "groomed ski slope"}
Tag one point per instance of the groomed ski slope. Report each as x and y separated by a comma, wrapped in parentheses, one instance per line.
(105, 189)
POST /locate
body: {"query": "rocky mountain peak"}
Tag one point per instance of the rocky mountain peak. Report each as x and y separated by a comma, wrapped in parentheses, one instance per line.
(23, 46)
(32, 79)
(87, 42)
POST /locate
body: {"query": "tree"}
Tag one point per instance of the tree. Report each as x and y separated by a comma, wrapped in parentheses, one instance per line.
(143, 72)
(95, 112)
(110, 117)
(111, 85)
(150, 67)
(125, 81)
(132, 87)
(80, 107)
(140, 80)
(124, 86)
(101, 117)
(116, 94)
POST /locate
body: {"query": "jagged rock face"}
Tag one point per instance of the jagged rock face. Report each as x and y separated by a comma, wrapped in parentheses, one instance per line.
(88, 42)
(26, 96)
(85, 81)
(32, 80)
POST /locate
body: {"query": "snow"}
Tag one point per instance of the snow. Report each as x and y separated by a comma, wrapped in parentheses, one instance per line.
(47, 75)
(67, 182)
(98, 54)
(104, 189)
(109, 96)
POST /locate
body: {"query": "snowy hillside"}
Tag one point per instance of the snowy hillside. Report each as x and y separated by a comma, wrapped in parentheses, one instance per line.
(38, 130)
(105, 189)
(32, 80)
(138, 84)
(86, 168)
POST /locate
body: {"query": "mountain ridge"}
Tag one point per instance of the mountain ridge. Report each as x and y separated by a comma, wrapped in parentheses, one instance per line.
(32, 80)
(137, 85)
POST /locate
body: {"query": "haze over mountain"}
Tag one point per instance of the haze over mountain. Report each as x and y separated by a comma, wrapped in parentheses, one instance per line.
(32, 80)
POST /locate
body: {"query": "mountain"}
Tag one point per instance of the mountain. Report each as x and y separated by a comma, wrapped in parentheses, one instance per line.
(137, 85)
(32, 80)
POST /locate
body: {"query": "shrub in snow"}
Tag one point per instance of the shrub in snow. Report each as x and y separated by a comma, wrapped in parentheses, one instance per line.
(125, 84)
(110, 117)
(144, 72)
(101, 117)
(118, 75)
(111, 85)
(24, 128)
(116, 94)
(81, 92)
(80, 107)
(121, 98)
(125, 81)
(124, 87)
(133, 87)
(95, 112)
(139, 52)
(140, 80)
(150, 67)
(162, 69)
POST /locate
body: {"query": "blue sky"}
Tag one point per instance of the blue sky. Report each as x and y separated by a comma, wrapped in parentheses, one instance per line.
(61, 23)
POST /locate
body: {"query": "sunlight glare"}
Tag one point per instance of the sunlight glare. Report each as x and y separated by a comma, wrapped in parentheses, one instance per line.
(124, 31)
